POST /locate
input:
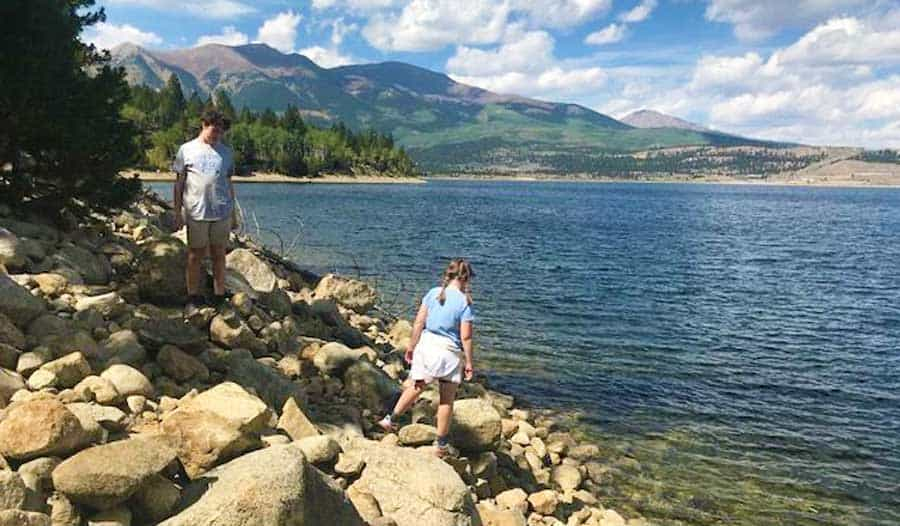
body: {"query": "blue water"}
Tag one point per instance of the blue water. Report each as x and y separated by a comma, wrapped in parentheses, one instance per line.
(736, 349)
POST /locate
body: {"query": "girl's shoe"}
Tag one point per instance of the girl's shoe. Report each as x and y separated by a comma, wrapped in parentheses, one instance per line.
(445, 450)
(387, 425)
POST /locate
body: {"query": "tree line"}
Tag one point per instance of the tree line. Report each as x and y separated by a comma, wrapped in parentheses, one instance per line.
(262, 141)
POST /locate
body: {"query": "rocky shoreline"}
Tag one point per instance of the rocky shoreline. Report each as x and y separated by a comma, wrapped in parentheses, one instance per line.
(115, 410)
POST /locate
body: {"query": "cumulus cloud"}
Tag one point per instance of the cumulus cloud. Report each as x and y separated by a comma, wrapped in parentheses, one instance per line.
(229, 36)
(524, 64)
(561, 13)
(108, 36)
(608, 35)
(280, 32)
(755, 20)
(214, 9)
(639, 13)
(326, 57)
(340, 29)
(844, 41)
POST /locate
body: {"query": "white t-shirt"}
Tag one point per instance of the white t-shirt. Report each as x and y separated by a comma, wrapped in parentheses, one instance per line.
(207, 195)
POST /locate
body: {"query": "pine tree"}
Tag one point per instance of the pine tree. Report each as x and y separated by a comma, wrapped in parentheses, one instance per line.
(223, 104)
(61, 132)
(292, 121)
(172, 103)
(268, 118)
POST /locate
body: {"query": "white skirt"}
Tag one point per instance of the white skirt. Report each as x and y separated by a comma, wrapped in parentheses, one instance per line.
(436, 357)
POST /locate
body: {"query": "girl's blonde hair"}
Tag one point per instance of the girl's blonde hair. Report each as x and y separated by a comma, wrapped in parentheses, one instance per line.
(461, 270)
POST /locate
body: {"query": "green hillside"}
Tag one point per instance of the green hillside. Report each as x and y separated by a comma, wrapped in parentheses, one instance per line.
(428, 113)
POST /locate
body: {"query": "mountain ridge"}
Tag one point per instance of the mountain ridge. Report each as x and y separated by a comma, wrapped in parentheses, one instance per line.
(427, 112)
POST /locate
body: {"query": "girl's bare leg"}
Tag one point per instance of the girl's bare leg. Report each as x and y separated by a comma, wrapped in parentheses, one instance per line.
(445, 409)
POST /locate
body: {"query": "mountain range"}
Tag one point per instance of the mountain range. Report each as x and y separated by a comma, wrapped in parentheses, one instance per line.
(444, 124)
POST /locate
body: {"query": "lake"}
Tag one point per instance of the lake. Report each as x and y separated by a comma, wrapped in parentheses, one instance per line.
(735, 349)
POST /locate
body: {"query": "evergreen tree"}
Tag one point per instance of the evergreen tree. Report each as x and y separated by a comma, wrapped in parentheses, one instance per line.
(223, 104)
(172, 103)
(292, 121)
(61, 133)
(246, 115)
(268, 118)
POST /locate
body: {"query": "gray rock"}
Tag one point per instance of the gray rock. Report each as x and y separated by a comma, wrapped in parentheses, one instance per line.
(204, 439)
(334, 358)
(417, 435)
(180, 365)
(19, 305)
(63, 373)
(105, 476)
(10, 382)
(109, 304)
(160, 272)
(268, 383)
(318, 449)
(353, 294)
(63, 512)
(94, 268)
(124, 347)
(230, 331)
(120, 516)
(372, 386)
(254, 270)
(232, 402)
(12, 491)
(158, 332)
(475, 425)
(275, 486)
(156, 499)
(9, 356)
(294, 421)
(97, 389)
(10, 334)
(414, 487)
(128, 380)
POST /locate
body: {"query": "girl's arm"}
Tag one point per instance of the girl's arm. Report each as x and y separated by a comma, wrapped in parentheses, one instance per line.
(465, 334)
(418, 327)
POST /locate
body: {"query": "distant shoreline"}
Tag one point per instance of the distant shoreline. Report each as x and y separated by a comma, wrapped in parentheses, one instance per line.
(837, 183)
(271, 178)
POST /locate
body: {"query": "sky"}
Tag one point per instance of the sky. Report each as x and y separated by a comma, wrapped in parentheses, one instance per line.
(811, 71)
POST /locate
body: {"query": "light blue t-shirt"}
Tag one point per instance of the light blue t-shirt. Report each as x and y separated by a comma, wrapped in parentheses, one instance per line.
(445, 319)
(207, 195)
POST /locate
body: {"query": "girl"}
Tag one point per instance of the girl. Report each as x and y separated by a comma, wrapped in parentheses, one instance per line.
(440, 348)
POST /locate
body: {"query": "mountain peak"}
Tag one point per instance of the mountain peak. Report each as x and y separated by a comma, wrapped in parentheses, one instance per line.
(655, 119)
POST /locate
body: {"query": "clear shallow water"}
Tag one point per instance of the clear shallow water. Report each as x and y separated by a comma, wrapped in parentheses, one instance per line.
(735, 349)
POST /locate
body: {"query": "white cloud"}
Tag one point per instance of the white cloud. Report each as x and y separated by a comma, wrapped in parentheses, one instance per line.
(523, 65)
(230, 36)
(214, 9)
(760, 19)
(844, 41)
(427, 25)
(280, 32)
(340, 29)
(107, 36)
(561, 13)
(608, 35)
(358, 5)
(326, 57)
(639, 13)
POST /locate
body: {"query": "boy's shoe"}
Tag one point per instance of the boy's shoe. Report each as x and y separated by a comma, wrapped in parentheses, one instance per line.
(387, 425)
(194, 304)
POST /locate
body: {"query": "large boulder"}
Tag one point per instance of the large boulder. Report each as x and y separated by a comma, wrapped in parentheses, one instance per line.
(272, 386)
(232, 402)
(180, 365)
(353, 294)
(475, 425)
(124, 347)
(334, 358)
(64, 372)
(12, 491)
(160, 271)
(254, 270)
(39, 428)
(493, 515)
(17, 303)
(294, 421)
(205, 439)
(10, 334)
(105, 476)
(172, 331)
(320, 449)
(369, 384)
(127, 380)
(414, 487)
(272, 487)
(93, 268)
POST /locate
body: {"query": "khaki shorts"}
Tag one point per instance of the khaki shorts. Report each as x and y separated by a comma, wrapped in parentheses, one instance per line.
(202, 234)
